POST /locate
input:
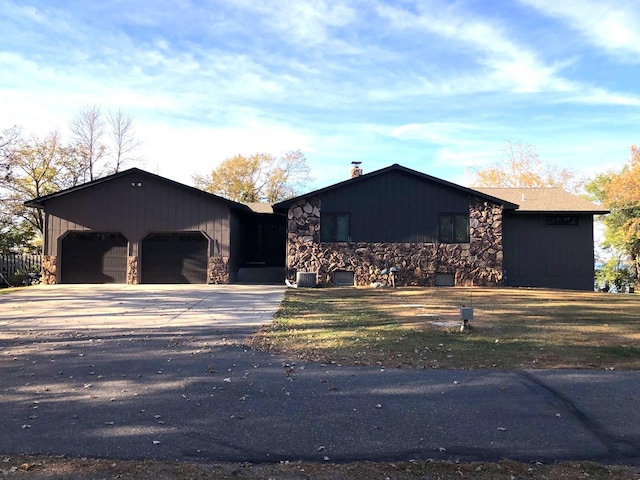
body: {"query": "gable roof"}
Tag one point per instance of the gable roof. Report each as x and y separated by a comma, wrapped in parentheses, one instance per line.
(398, 168)
(545, 200)
(40, 201)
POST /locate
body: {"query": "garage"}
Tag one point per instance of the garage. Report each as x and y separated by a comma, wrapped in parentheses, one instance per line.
(94, 257)
(178, 257)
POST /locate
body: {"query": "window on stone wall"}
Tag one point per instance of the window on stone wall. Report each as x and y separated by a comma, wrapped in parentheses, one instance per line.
(334, 227)
(454, 228)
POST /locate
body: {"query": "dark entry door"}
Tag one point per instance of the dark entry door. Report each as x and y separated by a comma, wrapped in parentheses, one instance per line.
(265, 242)
(179, 257)
(92, 257)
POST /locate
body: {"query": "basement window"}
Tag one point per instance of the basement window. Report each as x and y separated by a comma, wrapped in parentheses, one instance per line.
(445, 280)
(343, 278)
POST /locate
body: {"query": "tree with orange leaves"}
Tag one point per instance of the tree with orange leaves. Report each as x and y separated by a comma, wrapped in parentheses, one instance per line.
(521, 167)
(260, 177)
(620, 193)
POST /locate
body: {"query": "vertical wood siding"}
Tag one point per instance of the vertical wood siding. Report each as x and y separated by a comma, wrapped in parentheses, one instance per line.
(539, 255)
(135, 211)
(396, 207)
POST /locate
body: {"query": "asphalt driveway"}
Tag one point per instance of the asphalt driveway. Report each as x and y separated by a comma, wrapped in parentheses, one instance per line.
(163, 372)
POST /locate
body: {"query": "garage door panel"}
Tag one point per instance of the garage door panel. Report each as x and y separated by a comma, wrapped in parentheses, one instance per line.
(94, 257)
(174, 258)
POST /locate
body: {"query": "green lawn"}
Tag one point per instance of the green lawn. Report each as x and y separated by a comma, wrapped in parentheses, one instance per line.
(419, 327)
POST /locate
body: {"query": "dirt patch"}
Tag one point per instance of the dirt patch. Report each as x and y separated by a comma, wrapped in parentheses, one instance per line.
(49, 468)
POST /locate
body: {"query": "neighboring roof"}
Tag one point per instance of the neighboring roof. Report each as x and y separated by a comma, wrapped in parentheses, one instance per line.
(395, 167)
(540, 200)
(39, 202)
(259, 207)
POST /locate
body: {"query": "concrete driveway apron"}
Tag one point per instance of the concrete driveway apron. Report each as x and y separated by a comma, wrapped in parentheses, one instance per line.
(164, 372)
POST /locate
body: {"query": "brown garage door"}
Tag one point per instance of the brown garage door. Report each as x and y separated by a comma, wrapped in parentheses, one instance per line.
(179, 257)
(93, 257)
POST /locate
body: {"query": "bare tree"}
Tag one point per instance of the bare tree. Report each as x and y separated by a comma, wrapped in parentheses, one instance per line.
(88, 129)
(287, 175)
(125, 143)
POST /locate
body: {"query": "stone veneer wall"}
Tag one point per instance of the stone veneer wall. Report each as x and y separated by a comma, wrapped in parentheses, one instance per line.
(218, 270)
(132, 270)
(49, 268)
(478, 262)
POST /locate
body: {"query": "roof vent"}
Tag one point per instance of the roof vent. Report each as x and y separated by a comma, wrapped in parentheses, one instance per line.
(356, 171)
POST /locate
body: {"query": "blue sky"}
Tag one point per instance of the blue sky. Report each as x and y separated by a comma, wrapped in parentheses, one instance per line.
(438, 86)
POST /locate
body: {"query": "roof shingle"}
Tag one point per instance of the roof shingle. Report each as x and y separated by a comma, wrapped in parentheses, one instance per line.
(544, 200)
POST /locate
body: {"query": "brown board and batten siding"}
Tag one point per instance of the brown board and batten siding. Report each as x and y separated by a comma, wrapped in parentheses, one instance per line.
(136, 211)
(549, 240)
(396, 207)
(537, 254)
(139, 205)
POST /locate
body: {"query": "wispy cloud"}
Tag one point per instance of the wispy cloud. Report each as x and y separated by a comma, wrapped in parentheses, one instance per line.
(444, 133)
(612, 26)
(500, 61)
(309, 23)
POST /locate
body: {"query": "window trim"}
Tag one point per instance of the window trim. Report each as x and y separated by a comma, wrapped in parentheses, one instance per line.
(452, 223)
(333, 218)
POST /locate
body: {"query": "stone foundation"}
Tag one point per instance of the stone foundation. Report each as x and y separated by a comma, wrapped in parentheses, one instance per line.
(132, 270)
(478, 262)
(218, 270)
(49, 269)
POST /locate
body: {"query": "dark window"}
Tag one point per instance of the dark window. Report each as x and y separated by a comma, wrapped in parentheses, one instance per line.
(454, 228)
(334, 227)
(561, 220)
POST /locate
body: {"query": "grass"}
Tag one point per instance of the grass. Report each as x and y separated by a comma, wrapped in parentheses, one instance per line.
(417, 327)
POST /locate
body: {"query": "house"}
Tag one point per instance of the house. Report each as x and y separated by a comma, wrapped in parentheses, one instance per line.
(434, 232)
(137, 227)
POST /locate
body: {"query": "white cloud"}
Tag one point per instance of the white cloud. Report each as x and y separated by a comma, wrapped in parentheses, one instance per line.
(601, 96)
(309, 22)
(504, 64)
(609, 25)
(437, 132)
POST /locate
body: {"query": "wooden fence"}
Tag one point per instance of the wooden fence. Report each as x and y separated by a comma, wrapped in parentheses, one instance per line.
(14, 265)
